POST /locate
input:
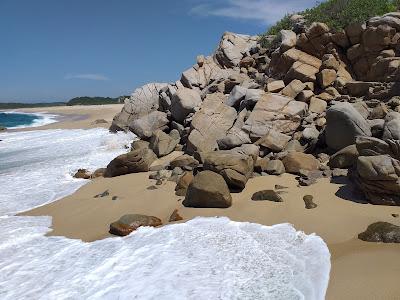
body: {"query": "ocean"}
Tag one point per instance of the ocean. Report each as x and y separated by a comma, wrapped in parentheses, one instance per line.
(13, 120)
(205, 258)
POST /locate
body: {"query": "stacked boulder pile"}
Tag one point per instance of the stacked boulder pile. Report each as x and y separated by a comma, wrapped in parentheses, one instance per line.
(311, 101)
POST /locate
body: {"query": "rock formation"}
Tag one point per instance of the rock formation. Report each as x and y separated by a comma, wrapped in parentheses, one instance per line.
(311, 93)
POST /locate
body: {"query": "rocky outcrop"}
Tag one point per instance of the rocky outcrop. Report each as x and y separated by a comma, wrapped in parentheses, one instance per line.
(251, 110)
(143, 101)
(208, 190)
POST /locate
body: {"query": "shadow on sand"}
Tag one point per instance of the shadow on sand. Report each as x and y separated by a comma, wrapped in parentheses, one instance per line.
(348, 191)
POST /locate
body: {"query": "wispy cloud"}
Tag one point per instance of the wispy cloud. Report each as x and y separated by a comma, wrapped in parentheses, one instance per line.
(264, 11)
(97, 77)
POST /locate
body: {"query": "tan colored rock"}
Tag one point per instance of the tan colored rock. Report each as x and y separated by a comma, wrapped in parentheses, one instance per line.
(295, 55)
(183, 103)
(317, 105)
(296, 161)
(275, 111)
(210, 124)
(326, 77)
(208, 190)
(274, 140)
(293, 88)
(302, 72)
(275, 86)
(305, 96)
(236, 169)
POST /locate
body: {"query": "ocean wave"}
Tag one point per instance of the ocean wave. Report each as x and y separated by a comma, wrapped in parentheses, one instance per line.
(205, 258)
(37, 167)
(43, 119)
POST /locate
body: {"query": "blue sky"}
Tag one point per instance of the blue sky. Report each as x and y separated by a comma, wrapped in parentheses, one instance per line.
(53, 50)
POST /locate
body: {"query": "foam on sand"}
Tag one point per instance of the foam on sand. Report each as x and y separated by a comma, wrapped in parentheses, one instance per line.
(206, 258)
(37, 166)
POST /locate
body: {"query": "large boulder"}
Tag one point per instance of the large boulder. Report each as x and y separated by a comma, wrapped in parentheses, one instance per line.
(210, 124)
(378, 177)
(235, 168)
(208, 190)
(184, 101)
(133, 162)
(275, 111)
(163, 144)
(146, 125)
(232, 48)
(143, 101)
(296, 161)
(344, 125)
(128, 223)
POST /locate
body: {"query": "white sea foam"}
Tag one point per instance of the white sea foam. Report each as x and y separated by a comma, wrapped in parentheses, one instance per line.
(36, 167)
(206, 258)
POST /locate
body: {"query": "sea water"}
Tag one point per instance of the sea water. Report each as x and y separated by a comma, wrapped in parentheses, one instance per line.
(206, 258)
(12, 120)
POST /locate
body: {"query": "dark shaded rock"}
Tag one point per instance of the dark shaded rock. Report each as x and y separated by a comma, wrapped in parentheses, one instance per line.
(128, 223)
(133, 162)
(114, 198)
(183, 184)
(344, 158)
(381, 232)
(308, 201)
(83, 174)
(184, 161)
(269, 195)
(99, 173)
(208, 190)
(103, 194)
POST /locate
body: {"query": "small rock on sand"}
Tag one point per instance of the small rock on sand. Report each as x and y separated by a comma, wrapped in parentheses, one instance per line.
(308, 201)
(269, 195)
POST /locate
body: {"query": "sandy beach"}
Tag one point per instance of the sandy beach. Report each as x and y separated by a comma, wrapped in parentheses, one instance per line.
(75, 117)
(360, 270)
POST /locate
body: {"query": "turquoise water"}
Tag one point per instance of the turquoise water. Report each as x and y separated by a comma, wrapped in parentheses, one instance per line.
(17, 119)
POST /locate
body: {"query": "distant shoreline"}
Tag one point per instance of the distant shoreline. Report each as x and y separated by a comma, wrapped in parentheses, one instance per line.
(73, 117)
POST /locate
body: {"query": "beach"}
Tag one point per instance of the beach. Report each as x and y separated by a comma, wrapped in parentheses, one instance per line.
(75, 117)
(360, 270)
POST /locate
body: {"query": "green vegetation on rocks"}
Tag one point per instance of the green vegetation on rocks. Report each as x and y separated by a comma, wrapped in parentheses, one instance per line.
(337, 14)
